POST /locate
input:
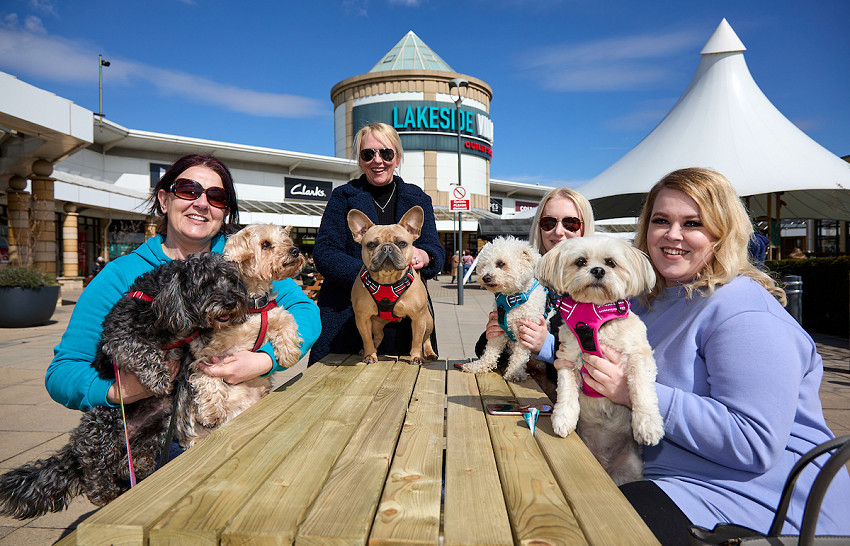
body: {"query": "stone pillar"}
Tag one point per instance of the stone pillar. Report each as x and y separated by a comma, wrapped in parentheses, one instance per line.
(103, 225)
(19, 222)
(43, 217)
(70, 236)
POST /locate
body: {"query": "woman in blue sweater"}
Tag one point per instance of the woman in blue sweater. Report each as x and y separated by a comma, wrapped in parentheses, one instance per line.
(195, 202)
(738, 378)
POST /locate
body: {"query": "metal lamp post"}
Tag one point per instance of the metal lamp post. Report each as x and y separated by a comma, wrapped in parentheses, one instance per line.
(459, 83)
(100, 64)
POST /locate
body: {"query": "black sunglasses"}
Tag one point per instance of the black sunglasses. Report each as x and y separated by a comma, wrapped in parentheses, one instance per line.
(570, 223)
(188, 189)
(367, 154)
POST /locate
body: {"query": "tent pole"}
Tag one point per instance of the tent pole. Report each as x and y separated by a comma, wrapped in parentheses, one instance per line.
(770, 224)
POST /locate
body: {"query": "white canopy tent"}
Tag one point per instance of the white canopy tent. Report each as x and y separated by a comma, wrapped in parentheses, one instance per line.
(724, 122)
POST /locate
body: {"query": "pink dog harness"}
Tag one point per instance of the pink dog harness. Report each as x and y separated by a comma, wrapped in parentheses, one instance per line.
(385, 295)
(584, 321)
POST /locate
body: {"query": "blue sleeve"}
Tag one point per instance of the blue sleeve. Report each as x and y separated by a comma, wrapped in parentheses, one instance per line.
(303, 310)
(547, 352)
(739, 423)
(70, 378)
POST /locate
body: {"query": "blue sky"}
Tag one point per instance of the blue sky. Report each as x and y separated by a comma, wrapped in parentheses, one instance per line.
(576, 83)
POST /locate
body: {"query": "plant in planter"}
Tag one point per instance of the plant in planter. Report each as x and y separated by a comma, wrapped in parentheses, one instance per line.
(27, 297)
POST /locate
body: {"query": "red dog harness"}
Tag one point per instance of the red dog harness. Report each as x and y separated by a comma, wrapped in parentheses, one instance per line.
(386, 295)
(584, 321)
(186, 340)
(264, 318)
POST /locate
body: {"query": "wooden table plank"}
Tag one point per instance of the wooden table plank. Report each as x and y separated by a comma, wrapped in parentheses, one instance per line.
(345, 507)
(475, 511)
(538, 509)
(590, 492)
(409, 511)
(127, 519)
(273, 514)
(200, 517)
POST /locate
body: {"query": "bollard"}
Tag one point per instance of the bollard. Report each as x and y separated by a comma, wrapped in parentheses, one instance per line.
(794, 293)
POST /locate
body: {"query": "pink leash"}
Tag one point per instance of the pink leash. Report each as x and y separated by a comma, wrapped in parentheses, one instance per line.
(124, 421)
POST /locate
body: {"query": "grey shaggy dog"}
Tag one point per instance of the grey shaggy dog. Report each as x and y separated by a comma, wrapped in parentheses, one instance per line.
(182, 298)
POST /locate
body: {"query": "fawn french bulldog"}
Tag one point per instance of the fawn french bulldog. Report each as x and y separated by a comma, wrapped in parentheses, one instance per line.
(388, 288)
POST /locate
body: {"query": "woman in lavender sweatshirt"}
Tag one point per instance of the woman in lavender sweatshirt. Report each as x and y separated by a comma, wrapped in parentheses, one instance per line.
(738, 378)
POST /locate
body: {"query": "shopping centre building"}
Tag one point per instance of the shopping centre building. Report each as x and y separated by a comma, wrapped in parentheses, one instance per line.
(76, 185)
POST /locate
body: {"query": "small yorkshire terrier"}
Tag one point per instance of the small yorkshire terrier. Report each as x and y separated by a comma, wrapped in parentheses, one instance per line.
(262, 253)
(506, 268)
(600, 273)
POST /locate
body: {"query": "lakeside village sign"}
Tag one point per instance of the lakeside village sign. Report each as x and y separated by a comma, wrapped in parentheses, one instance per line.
(431, 125)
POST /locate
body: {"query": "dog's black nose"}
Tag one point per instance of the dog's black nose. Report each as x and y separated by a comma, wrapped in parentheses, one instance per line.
(597, 272)
(487, 278)
(294, 252)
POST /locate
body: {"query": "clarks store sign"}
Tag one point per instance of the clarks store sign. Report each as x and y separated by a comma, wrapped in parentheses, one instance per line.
(431, 125)
(306, 190)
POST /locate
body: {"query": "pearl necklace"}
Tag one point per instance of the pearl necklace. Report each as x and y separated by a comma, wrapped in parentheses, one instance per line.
(388, 200)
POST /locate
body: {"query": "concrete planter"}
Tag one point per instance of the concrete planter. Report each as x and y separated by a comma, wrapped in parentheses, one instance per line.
(21, 307)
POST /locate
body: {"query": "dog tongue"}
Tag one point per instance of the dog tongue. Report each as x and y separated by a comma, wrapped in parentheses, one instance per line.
(223, 318)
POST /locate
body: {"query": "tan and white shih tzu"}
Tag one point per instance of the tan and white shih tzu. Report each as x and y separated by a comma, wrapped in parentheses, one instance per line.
(506, 268)
(599, 274)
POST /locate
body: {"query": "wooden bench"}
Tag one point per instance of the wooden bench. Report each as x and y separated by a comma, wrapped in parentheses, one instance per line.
(312, 291)
(386, 453)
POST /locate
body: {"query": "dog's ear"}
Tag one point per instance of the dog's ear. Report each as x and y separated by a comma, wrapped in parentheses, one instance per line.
(530, 255)
(643, 278)
(238, 248)
(412, 221)
(548, 271)
(287, 230)
(169, 307)
(359, 224)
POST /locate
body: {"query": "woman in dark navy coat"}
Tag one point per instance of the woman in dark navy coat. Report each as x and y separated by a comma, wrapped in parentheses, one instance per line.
(384, 197)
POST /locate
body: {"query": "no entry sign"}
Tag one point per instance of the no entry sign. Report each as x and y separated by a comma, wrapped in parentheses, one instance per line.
(459, 201)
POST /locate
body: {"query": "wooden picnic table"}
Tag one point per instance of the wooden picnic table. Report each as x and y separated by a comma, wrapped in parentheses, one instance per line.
(386, 453)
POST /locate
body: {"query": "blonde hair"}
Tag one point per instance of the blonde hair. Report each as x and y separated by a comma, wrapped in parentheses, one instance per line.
(724, 217)
(585, 213)
(382, 132)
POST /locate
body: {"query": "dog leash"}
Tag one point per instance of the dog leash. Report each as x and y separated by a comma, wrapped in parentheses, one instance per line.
(124, 421)
(165, 454)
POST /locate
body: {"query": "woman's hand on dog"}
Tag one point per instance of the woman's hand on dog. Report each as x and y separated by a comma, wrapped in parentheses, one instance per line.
(420, 258)
(605, 376)
(493, 329)
(238, 367)
(532, 335)
(132, 389)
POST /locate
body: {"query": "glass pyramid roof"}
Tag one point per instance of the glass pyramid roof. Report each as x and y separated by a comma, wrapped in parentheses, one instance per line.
(411, 53)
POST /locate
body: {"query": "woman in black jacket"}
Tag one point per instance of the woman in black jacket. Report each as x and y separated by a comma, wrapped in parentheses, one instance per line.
(384, 197)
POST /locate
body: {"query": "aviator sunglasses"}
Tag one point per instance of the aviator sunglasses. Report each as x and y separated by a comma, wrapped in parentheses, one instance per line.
(570, 223)
(188, 189)
(367, 154)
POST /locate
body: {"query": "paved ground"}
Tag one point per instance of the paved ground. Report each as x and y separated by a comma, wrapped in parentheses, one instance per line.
(33, 426)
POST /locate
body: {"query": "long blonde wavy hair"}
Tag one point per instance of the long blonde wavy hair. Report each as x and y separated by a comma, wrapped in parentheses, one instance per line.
(723, 215)
(585, 213)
